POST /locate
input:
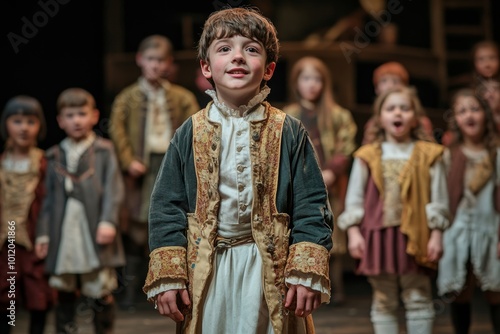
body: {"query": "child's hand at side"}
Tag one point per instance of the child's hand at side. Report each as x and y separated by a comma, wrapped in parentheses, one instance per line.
(356, 244)
(435, 246)
(328, 177)
(105, 234)
(41, 250)
(166, 302)
(136, 168)
(306, 300)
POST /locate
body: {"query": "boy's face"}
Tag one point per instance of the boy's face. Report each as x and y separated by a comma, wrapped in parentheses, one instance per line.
(154, 63)
(486, 62)
(78, 122)
(388, 81)
(23, 130)
(237, 66)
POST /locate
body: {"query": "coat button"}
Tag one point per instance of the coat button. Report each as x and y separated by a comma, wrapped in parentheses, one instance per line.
(256, 136)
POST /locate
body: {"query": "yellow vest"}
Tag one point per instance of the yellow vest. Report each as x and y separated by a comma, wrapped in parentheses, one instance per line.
(414, 182)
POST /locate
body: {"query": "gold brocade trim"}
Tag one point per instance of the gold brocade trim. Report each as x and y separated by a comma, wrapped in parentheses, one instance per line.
(166, 262)
(269, 228)
(17, 193)
(308, 257)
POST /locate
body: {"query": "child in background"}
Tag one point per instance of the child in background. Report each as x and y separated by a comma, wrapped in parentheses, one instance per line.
(386, 77)
(332, 131)
(489, 90)
(144, 117)
(239, 224)
(77, 228)
(396, 208)
(486, 61)
(472, 245)
(22, 173)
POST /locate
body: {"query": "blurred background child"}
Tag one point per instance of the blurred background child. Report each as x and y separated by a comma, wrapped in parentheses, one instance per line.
(78, 224)
(332, 131)
(471, 245)
(144, 117)
(400, 172)
(22, 174)
(387, 76)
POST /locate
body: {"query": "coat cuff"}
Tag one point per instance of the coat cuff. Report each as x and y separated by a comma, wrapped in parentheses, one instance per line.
(309, 258)
(166, 262)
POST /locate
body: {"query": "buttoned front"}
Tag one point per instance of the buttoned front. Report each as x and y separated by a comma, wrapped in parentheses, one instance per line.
(236, 199)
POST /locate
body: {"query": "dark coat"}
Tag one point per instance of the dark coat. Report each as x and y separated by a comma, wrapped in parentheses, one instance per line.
(98, 185)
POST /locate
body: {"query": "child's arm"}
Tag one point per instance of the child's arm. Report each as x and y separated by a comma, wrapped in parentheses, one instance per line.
(118, 133)
(167, 234)
(437, 211)
(112, 197)
(43, 224)
(310, 220)
(354, 208)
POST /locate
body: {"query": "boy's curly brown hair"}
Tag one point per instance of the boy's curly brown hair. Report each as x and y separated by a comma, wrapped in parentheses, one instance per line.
(247, 22)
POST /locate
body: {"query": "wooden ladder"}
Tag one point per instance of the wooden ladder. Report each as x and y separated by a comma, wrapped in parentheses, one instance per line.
(456, 25)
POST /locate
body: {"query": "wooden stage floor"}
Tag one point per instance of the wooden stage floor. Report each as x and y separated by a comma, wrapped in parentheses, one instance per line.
(352, 317)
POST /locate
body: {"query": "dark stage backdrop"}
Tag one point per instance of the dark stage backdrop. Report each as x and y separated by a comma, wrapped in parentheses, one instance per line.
(50, 45)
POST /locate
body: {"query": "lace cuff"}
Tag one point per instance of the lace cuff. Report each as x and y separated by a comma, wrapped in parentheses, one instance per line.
(314, 282)
(350, 218)
(437, 216)
(309, 259)
(165, 284)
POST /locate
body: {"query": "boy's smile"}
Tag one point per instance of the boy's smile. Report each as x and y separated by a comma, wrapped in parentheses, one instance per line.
(237, 65)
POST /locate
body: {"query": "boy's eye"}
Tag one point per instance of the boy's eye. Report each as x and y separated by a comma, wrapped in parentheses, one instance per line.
(252, 49)
(224, 49)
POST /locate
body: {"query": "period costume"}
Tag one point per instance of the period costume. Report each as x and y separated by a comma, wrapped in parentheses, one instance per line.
(474, 235)
(240, 207)
(143, 120)
(85, 190)
(21, 194)
(397, 195)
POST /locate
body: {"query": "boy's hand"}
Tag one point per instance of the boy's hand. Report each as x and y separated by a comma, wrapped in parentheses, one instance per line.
(305, 300)
(328, 177)
(105, 234)
(356, 244)
(435, 246)
(166, 302)
(136, 168)
(41, 250)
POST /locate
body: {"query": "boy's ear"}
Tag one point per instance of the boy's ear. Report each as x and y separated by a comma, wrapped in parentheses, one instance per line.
(268, 74)
(138, 59)
(59, 120)
(95, 116)
(205, 69)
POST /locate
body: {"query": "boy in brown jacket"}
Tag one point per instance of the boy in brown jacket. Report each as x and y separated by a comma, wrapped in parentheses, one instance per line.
(144, 117)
